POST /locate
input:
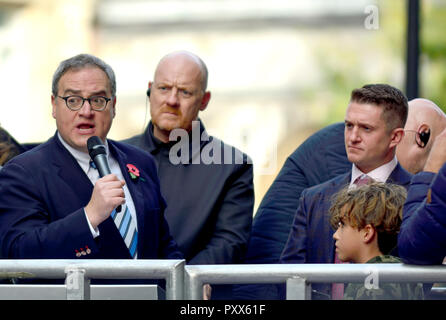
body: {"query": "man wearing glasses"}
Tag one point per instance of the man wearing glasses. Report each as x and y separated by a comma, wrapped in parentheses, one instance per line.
(53, 204)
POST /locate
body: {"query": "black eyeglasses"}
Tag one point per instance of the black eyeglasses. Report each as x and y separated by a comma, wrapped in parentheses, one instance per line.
(74, 103)
(421, 138)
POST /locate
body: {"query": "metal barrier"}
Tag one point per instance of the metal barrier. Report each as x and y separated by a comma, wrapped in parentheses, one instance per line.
(186, 282)
(77, 273)
(97, 292)
(298, 277)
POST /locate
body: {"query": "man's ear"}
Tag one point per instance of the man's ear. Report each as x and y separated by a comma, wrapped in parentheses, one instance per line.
(396, 137)
(113, 107)
(368, 233)
(423, 135)
(53, 103)
(205, 100)
(149, 89)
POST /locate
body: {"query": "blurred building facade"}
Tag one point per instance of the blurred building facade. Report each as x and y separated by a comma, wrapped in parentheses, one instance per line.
(278, 69)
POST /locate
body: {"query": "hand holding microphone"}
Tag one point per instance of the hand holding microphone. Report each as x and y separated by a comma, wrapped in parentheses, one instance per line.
(107, 193)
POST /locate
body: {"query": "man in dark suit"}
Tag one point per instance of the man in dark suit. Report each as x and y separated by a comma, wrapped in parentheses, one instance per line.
(53, 204)
(374, 123)
(422, 239)
(319, 158)
(305, 168)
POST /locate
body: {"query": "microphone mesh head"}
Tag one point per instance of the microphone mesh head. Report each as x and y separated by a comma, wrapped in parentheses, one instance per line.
(95, 146)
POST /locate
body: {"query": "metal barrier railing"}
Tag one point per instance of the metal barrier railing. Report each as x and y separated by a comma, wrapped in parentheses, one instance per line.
(77, 273)
(298, 277)
(186, 282)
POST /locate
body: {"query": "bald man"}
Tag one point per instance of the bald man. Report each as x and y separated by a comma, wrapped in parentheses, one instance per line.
(424, 122)
(208, 185)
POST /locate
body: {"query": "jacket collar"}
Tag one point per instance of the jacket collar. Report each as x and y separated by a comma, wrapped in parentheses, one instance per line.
(155, 145)
(380, 174)
(400, 176)
(82, 158)
(68, 168)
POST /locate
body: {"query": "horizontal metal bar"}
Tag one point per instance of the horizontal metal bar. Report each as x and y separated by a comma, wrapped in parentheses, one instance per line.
(315, 273)
(170, 270)
(97, 292)
(197, 275)
(190, 279)
(103, 269)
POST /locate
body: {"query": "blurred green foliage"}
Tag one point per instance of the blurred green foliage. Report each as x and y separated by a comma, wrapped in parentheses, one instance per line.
(433, 51)
(364, 56)
(379, 56)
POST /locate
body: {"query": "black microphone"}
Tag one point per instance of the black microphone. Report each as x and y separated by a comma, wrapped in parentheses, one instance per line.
(98, 154)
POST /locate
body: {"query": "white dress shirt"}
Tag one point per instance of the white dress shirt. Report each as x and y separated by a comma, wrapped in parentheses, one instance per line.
(380, 174)
(83, 159)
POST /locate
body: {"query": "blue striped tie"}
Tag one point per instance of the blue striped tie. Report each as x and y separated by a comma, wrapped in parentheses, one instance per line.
(126, 225)
(127, 228)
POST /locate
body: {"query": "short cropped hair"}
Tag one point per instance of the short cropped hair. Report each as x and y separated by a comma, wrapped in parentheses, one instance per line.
(81, 61)
(392, 100)
(377, 204)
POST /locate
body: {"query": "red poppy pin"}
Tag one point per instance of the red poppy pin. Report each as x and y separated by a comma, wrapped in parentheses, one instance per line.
(133, 172)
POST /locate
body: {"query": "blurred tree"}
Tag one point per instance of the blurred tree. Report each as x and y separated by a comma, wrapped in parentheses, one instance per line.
(364, 56)
(433, 52)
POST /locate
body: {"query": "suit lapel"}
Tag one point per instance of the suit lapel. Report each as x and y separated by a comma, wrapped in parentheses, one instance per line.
(343, 181)
(70, 172)
(110, 242)
(400, 176)
(338, 183)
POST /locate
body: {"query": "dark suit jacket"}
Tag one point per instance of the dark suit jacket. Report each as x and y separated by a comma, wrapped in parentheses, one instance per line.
(311, 237)
(304, 168)
(422, 238)
(272, 223)
(42, 196)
